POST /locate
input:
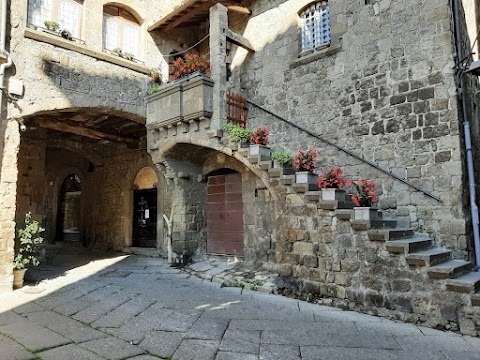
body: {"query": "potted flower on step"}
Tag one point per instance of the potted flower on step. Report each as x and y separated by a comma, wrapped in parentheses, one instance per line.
(236, 135)
(258, 141)
(304, 163)
(330, 183)
(283, 160)
(364, 200)
(27, 249)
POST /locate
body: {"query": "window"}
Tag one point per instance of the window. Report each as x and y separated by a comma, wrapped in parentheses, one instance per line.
(120, 30)
(315, 31)
(67, 13)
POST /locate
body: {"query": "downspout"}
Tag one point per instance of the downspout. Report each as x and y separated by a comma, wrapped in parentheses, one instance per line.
(9, 62)
(466, 129)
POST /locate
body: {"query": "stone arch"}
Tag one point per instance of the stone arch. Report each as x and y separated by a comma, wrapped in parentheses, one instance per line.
(146, 178)
(127, 6)
(235, 159)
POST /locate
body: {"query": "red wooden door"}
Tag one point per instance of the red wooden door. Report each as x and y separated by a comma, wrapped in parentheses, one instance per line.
(225, 215)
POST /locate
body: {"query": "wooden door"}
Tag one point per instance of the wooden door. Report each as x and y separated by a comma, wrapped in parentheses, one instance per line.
(225, 215)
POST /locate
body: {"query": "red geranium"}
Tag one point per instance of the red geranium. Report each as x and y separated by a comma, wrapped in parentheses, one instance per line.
(259, 137)
(192, 62)
(332, 179)
(305, 161)
(365, 196)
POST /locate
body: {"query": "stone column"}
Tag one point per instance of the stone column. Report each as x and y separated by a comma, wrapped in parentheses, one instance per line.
(8, 190)
(218, 60)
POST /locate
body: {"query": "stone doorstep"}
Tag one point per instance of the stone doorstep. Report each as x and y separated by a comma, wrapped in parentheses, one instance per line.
(360, 225)
(404, 246)
(449, 269)
(468, 283)
(428, 257)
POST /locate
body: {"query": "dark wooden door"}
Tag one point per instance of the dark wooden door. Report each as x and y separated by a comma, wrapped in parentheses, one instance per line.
(225, 215)
(145, 218)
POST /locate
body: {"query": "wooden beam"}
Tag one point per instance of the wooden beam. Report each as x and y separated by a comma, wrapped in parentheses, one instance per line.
(172, 14)
(240, 9)
(83, 131)
(187, 16)
(239, 40)
(97, 120)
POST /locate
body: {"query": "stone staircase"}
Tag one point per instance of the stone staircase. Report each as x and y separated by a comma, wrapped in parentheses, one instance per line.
(418, 250)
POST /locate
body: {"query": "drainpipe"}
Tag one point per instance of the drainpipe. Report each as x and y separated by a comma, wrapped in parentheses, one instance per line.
(466, 129)
(9, 62)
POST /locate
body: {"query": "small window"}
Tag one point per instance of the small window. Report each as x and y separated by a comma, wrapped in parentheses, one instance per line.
(315, 31)
(67, 13)
(121, 31)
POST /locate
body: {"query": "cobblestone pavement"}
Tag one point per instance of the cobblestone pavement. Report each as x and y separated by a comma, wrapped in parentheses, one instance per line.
(138, 308)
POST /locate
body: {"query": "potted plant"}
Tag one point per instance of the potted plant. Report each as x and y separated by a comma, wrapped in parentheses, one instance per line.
(258, 141)
(304, 163)
(330, 183)
(183, 67)
(66, 34)
(283, 160)
(51, 25)
(155, 74)
(27, 249)
(364, 198)
(236, 134)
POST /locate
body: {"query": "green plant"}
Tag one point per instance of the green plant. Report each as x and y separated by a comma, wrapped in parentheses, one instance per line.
(155, 74)
(66, 34)
(256, 284)
(51, 25)
(236, 133)
(29, 240)
(153, 89)
(282, 157)
(234, 283)
(128, 56)
(182, 67)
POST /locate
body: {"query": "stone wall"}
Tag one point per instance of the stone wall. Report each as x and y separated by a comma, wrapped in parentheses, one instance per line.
(387, 93)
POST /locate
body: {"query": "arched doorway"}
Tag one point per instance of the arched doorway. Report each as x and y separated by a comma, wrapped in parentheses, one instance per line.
(70, 210)
(225, 213)
(144, 227)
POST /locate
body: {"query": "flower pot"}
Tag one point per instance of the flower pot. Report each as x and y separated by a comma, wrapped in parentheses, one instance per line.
(332, 194)
(306, 177)
(260, 150)
(18, 276)
(286, 168)
(365, 213)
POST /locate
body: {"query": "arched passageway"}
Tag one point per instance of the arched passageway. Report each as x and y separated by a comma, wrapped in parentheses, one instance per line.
(69, 214)
(144, 225)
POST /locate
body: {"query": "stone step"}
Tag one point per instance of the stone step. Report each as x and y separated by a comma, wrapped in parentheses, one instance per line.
(313, 196)
(303, 188)
(428, 257)
(468, 283)
(287, 179)
(348, 204)
(327, 204)
(243, 151)
(389, 234)
(265, 164)
(383, 223)
(475, 299)
(278, 172)
(344, 214)
(253, 158)
(405, 246)
(449, 269)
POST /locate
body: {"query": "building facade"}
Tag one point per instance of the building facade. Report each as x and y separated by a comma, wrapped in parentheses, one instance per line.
(372, 86)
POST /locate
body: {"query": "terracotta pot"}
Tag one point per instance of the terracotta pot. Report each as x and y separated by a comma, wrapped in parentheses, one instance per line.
(18, 276)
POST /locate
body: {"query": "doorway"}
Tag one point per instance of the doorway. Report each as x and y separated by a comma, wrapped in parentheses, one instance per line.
(70, 210)
(225, 214)
(145, 218)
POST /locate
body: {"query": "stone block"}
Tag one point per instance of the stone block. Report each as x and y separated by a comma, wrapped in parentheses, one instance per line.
(301, 247)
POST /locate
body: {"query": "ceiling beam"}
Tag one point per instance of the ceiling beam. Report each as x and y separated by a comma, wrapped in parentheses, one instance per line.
(198, 8)
(172, 14)
(239, 40)
(240, 9)
(83, 131)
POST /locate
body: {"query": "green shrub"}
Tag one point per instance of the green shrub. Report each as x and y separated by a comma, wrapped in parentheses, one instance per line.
(236, 133)
(27, 247)
(153, 89)
(282, 157)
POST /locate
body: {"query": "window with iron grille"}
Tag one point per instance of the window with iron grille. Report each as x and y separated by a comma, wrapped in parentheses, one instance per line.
(120, 30)
(315, 31)
(67, 13)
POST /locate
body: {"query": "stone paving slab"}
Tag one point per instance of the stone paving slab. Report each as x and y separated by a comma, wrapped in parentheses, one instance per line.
(29, 308)
(435, 343)
(32, 336)
(317, 352)
(112, 348)
(276, 352)
(66, 326)
(241, 341)
(208, 329)
(101, 308)
(225, 355)
(12, 350)
(295, 326)
(121, 314)
(162, 343)
(387, 328)
(463, 355)
(70, 351)
(143, 357)
(191, 349)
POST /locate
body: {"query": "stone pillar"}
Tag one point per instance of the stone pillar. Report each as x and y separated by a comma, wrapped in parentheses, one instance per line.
(8, 189)
(218, 60)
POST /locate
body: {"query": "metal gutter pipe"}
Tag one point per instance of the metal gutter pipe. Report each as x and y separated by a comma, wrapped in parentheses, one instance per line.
(466, 130)
(9, 62)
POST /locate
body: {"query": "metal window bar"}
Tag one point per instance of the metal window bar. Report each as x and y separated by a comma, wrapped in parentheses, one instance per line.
(237, 109)
(315, 30)
(347, 151)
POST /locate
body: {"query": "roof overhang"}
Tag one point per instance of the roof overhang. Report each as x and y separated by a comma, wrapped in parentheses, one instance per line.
(194, 12)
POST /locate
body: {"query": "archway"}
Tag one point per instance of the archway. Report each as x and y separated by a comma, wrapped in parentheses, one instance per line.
(69, 213)
(144, 222)
(225, 213)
